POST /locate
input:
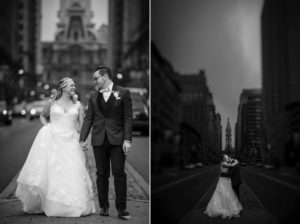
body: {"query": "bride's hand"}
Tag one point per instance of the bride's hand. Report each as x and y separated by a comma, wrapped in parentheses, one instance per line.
(83, 146)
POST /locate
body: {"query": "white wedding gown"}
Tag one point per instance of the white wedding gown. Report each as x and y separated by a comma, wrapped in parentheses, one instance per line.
(54, 179)
(224, 202)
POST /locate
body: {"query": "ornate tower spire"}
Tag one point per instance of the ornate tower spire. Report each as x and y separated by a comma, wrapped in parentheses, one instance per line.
(228, 145)
(75, 22)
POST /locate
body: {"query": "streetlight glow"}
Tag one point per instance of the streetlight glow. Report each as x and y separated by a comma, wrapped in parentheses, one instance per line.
(21, 72)
(119, 76)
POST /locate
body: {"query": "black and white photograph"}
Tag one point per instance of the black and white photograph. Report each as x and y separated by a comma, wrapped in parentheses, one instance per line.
(225, 106)
(74, 111)
(150, 111)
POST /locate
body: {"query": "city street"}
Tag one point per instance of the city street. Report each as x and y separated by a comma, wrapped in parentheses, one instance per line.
(265, 196)
(15, 142)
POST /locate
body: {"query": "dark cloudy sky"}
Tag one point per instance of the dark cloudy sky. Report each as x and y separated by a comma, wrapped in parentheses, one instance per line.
(220, 36)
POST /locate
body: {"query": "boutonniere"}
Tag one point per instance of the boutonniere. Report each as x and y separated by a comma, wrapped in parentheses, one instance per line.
(75, 98)
(117, 95)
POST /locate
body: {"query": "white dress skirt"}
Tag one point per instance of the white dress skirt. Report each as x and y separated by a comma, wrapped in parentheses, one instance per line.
(224, 202)
(54, 179)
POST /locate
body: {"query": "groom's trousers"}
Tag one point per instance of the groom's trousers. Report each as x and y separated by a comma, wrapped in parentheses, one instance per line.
(236, 189)
(105, 154)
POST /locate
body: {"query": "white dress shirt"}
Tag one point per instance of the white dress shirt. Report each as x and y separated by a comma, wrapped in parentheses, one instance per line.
(107, 91)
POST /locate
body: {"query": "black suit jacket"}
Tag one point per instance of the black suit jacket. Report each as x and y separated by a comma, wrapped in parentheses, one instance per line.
(113, 118)
(235, 175)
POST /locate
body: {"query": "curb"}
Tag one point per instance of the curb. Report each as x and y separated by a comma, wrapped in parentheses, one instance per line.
(139, 179)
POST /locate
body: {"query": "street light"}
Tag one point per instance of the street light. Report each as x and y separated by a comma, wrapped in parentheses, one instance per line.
(32, 93)
(119, 76)
(20, 71)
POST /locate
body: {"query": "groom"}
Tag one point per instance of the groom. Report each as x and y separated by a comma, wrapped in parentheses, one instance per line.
(235, 176)
(110, 114)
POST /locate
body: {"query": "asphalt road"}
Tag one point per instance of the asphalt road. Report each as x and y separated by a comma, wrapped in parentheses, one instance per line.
(172, 201)
(15, 142)
(276, 192)
(280, 194)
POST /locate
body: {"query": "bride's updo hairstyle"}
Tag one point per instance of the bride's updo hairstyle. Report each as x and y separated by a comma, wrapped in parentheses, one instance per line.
(225, 156)
(63, 83)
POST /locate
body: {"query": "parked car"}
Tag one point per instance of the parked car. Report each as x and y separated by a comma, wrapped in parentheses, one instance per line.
(199, 164)
(35, 108)
(268, 167)
(19, 110)
(189, 166)
(5, 113)
(140, 110)
(243, 163)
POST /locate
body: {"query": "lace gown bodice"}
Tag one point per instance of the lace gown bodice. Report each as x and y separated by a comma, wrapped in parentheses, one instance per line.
(62, 120)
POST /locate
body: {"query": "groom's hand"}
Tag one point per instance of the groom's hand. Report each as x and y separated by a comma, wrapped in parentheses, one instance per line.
(126, 146)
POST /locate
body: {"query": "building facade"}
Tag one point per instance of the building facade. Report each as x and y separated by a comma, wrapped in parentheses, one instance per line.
(198, 112)
(129, 41)
(280, 67)
(165, 113)
(76, 51)
(249, 127)
(20, 48)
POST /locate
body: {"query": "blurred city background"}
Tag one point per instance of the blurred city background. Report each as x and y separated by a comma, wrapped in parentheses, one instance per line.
(244, 100)
(42, 41)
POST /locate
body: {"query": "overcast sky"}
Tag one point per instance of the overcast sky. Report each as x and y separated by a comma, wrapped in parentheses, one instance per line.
(50, 19)
(221, 37)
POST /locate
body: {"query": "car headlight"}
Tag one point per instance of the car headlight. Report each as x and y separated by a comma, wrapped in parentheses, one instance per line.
(4, 112)
(23, 112)
(32, 111)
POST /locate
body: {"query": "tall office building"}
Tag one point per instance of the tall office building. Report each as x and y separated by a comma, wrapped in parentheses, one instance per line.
(249, 126)
(165, 111)
(128, 38)
(199, 114)
(280, 62)
(20, 47)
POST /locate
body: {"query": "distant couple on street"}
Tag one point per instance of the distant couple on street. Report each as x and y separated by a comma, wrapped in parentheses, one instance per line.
(54, 179)
(225, 199)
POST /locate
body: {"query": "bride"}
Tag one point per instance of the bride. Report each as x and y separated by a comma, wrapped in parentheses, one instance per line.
(224, 201)
(54, 179)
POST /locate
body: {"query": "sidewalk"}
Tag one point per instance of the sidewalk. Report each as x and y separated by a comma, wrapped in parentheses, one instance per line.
(253, 210)
(137, 202)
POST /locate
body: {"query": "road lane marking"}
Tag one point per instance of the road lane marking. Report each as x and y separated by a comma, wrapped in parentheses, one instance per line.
(254, 195)
(177, 182)
(292, 186)
(206, 193)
